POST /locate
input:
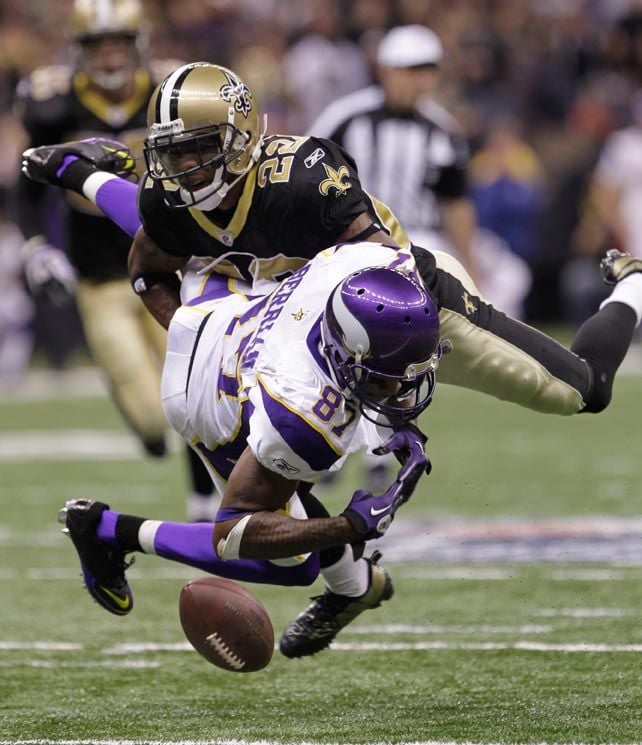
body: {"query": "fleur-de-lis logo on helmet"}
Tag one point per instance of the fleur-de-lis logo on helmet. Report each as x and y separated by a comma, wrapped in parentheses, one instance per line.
(236, 91)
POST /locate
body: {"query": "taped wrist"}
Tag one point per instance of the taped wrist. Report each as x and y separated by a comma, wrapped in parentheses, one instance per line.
(141, 283)
(229, 548)
(357, 520)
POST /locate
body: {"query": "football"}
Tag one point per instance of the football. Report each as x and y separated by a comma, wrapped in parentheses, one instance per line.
(226, 624)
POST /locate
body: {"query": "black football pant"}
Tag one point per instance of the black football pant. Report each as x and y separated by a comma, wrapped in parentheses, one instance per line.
(497, 355)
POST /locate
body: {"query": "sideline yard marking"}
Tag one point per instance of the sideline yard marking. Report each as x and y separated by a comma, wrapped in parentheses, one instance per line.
(523, 646)
(263, 742)
(46, 646)
(586, 612)
(109, 664)
(400, 628)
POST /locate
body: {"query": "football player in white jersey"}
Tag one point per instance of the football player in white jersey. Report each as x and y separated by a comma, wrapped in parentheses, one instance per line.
(274, 390)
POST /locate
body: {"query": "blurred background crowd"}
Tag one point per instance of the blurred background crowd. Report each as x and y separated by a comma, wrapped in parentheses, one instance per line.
(539, 89)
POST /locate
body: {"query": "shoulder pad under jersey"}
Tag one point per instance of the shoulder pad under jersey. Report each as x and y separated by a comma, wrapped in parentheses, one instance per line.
(46, 83)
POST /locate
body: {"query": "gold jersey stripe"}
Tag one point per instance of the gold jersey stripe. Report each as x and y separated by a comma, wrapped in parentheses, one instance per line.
(95, 102)
(239, 219)
(387, 218)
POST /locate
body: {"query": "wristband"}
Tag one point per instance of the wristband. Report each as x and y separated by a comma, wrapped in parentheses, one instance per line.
(75, 174)
(144, 282)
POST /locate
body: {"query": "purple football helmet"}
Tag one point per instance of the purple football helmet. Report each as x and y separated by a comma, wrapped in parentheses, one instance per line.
(381, 327)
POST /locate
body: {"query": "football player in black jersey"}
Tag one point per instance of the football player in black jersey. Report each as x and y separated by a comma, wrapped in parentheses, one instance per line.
(219, 192)
(105, 92)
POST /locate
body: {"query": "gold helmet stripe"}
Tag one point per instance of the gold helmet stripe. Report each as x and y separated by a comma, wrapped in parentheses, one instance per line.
(168, 94)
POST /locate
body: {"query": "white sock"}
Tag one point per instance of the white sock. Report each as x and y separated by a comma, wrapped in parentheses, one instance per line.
(347, 576)
(629, 292)
(202, 507)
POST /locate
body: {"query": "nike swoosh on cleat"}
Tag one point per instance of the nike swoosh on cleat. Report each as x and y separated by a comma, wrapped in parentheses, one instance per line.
(374, 512)
(122, 603)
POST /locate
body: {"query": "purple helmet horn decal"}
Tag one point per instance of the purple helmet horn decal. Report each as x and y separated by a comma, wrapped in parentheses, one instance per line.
(381, 332)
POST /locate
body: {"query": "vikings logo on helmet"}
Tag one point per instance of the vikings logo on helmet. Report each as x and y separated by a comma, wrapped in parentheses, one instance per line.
(381, 325)
(237, 91)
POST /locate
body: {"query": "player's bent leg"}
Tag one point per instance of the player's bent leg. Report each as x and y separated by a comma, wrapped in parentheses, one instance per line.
(604, 339)
(495, 354)
(103, 565)
(498, 355)
(353, 585)
(111, 316)
(103, 537)
(192, 544)
(203, 500)
(315, 628)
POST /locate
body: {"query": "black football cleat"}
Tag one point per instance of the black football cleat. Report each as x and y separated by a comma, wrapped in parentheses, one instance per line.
(103, 566)
(315, 628)
(47, 163)
(617, 265)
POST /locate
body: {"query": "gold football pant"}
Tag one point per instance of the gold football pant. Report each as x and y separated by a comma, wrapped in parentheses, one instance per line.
(129, 346)
(495, 354)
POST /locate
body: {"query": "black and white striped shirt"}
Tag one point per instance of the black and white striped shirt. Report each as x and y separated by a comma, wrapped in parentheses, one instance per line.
(409, 162)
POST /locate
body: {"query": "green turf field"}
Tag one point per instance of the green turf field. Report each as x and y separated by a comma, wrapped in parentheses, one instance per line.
(505, 643)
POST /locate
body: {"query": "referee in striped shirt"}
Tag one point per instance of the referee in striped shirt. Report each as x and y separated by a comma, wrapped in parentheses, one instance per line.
(409, 150)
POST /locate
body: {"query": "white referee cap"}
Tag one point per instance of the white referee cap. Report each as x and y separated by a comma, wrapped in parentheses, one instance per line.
(408, 46)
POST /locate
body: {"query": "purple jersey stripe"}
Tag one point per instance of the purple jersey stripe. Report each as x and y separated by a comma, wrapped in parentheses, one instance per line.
(216, 287)
(303, 439)
(254, 310)
(223, 458)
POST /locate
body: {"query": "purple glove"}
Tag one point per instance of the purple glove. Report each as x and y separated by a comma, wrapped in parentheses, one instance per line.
(407, 444)
(371, 516)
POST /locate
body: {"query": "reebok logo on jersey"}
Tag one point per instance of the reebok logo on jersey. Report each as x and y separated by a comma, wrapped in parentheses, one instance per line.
(282, 465)
(314, 157)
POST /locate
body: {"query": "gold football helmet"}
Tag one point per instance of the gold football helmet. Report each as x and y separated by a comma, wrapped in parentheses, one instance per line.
(204, 134)
(93, 21)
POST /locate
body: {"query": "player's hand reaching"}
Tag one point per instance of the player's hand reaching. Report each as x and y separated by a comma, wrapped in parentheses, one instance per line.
(50, 164)
(371, 515)
(407, 443)
(48, 272)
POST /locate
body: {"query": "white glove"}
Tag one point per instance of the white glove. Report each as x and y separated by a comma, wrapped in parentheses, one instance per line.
(48, 271)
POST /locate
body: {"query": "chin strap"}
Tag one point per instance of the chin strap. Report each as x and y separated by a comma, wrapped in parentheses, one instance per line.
(213, 202)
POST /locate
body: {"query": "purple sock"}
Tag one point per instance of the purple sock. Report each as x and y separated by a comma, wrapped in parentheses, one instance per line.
(117, 199)
(106, 528)
(191, 543)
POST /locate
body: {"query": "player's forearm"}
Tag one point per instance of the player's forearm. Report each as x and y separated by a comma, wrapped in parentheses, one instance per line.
(153, 276)
(162, 301)
(269, 535)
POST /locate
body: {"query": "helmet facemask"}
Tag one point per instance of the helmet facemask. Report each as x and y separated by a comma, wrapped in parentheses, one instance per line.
(195, 160)
(380, 330)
